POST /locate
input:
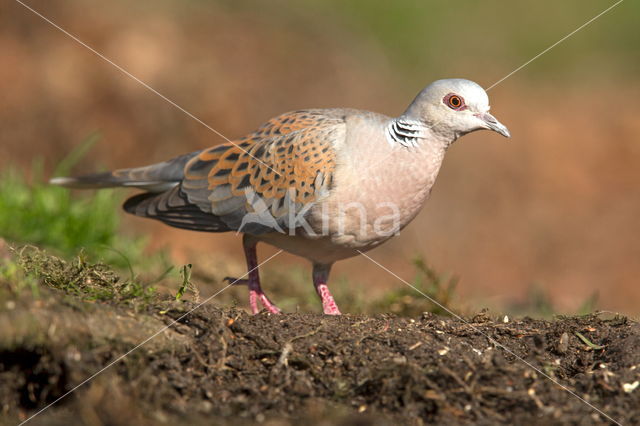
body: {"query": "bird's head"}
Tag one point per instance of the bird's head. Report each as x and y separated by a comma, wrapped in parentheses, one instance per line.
(454, 107)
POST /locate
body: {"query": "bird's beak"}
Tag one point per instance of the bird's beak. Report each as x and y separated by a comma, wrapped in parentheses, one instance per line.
(491, 123)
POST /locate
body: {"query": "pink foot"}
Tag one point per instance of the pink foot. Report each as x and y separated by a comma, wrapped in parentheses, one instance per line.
(320, 278)
(329, 306)
(255, 294)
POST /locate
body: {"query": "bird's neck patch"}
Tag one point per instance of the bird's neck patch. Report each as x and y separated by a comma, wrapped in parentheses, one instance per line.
(406, 132)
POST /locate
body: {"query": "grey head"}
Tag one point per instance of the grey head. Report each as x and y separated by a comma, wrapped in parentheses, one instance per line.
(454, 107)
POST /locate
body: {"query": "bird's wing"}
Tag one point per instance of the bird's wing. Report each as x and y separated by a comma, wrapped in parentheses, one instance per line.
(264, 181)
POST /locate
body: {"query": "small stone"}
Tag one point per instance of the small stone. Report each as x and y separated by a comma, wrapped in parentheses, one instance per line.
(630, 387)
(443, 351)
(563, 344)
(400, 360)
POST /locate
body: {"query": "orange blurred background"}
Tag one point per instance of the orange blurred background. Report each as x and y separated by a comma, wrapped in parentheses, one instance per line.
(556, 207)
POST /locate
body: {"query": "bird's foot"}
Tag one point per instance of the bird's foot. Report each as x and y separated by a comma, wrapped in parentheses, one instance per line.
(329, 306)
(255, 294)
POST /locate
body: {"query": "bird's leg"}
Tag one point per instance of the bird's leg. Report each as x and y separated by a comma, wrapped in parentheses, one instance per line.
(253, 282)
(320, 278)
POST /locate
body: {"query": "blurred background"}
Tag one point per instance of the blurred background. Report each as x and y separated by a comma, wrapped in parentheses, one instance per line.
(554, 211)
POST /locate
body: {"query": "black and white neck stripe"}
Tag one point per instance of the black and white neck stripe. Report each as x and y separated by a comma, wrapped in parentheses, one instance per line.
(405, 132)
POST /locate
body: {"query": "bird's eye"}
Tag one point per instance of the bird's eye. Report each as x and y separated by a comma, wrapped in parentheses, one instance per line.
(454, 101)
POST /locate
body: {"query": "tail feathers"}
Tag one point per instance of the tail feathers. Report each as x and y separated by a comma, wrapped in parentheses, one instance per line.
(110, 180)
(155, 178)
(97, 180)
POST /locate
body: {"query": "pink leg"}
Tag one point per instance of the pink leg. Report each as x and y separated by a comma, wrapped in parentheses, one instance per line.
(255, 291)
(320, 278)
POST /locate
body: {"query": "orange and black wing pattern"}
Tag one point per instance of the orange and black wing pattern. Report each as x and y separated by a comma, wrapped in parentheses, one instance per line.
(260, 182)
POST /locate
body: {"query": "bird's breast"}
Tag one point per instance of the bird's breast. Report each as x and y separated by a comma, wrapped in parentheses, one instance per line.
(378, 189)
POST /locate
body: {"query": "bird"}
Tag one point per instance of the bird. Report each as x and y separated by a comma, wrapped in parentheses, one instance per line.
(322, 184)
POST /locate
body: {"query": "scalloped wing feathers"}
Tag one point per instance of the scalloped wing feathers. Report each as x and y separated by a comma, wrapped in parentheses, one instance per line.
(270, 176)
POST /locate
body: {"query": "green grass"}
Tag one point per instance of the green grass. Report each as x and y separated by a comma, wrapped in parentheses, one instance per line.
(34, 212)
(81, 229)
(80, 277)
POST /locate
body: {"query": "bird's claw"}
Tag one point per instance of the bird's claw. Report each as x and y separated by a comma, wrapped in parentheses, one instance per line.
(255, 294)
(235, 281)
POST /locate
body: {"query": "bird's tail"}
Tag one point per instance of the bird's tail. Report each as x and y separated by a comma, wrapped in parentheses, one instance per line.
(155, 178)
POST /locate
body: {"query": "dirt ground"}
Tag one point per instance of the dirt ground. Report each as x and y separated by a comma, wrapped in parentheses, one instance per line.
(220, 365)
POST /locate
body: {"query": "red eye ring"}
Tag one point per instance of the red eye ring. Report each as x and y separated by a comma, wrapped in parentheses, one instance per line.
(455, 102)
